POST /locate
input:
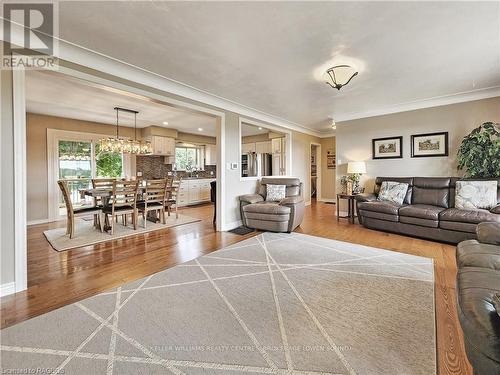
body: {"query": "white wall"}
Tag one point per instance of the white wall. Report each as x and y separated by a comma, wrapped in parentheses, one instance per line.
(7, 255)
(354, 139)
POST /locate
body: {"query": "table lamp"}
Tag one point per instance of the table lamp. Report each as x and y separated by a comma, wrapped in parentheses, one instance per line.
(356, 168)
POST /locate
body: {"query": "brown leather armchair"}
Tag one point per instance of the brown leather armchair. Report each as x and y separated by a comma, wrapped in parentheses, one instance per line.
(282, 216)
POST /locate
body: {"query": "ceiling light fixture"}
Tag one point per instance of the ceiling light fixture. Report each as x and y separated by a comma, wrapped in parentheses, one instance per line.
(165, 122)
(200, 129)
(260, 127)
(125, 146)
(340, 75)
(334, 125)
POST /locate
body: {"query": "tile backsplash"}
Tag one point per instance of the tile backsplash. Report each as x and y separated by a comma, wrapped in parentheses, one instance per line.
(154, 167)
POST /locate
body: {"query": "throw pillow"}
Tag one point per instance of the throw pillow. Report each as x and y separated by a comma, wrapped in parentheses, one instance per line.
(474, 195)
(496, 302)
(392, 191)
(275, 192)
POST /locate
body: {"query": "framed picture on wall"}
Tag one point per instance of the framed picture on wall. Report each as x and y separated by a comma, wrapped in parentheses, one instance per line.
(387, 148)
(330, 159)
(432, 144)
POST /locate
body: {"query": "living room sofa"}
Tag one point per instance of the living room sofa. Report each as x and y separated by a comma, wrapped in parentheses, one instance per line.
(275, 216)
(428, 210)
(478, 282)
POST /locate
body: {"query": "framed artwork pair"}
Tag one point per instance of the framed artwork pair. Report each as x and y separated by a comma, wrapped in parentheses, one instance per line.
(422, 145)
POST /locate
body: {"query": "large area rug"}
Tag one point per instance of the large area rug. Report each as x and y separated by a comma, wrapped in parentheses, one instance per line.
(86, 234)
(272, 304)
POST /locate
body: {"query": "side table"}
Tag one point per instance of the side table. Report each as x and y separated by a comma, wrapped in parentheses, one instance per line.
(351, 207)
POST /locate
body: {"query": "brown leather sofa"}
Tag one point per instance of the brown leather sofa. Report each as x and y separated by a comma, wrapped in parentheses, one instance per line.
(478, 282)
(283, 216)
(427, 211)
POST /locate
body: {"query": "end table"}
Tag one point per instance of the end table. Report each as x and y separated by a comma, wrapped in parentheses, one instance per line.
(351, 207)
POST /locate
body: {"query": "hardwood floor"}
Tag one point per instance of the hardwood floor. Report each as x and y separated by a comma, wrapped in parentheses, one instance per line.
(56, 278)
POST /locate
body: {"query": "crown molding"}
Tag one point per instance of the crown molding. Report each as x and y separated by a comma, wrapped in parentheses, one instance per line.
(468, 96)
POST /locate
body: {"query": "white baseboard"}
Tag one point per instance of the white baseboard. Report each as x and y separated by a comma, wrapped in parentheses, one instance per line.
(232, 225)
(327, 200)
(308, 203)
(39, 221)
(7, 288)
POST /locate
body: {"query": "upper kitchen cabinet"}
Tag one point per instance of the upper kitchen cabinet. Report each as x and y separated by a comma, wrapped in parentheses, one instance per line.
(247, 148)
(263, 147)
(163, 145)
(277, 145)
(210, 154)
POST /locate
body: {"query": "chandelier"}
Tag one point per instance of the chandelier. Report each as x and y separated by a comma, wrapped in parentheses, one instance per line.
(125, 146)
(340, 75)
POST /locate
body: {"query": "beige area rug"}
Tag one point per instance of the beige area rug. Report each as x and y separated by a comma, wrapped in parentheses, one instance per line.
(86, 234)
(273, 304)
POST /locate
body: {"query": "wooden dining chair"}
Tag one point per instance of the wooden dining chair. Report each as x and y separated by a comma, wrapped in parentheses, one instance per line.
(153, 199)
(123, 202)
(71, 212)
(172, 196)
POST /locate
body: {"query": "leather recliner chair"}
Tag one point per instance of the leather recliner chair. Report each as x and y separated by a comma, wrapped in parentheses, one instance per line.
(478, 281)
(282, 216)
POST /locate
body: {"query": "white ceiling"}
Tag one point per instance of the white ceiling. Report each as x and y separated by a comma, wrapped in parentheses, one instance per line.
(265, 55)
(55, 94)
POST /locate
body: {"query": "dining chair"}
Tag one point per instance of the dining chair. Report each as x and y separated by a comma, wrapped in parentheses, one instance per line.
(153, 199)
(104, 184)
(72, 212)
(172, 196)
(122, 202)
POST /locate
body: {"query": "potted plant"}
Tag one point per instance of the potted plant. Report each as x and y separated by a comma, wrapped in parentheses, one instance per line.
(479, 153)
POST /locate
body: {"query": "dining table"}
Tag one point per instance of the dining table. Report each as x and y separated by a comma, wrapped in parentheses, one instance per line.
(104, 194)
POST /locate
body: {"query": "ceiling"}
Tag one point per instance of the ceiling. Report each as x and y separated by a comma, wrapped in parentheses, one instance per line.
(55, 94)
(269, 55)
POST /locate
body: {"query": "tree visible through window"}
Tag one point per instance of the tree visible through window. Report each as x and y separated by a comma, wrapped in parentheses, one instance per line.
(107, 164)
(186, 158)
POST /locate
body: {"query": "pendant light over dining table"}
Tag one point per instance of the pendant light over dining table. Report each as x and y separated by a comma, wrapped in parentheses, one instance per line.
(125, 146)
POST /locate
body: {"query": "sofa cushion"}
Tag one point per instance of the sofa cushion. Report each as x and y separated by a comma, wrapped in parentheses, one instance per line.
(472, 253)
(275, 192)
(458, 226)
(488, 233)
(419, 221)
(476, 194)
(392, 191)
(433, 191)
(422, 211)
(406, 180)
(267, 208)
(380, 206)
(468, 216)
(379, 215)
(496, 303)
(478, 316)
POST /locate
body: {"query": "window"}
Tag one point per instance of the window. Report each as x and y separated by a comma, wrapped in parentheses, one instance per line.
(188, 158)
(79, 162)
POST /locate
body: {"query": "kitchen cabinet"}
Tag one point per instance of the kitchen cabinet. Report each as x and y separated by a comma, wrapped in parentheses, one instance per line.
(277, 145)
(210, 154)
(162, 145)
(263, 147)
(194, 191)
(247, 148)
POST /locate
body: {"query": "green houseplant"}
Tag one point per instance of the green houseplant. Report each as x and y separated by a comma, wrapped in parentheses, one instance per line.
(479, 153)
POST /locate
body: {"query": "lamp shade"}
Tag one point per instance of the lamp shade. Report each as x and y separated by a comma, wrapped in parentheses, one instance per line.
(356, 167)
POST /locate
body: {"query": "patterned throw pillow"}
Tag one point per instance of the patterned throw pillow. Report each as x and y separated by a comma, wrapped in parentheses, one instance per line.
(474, 195)
(275, 192)
(392, 191)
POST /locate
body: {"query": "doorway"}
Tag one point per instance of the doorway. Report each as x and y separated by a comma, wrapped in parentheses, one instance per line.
(315, 172)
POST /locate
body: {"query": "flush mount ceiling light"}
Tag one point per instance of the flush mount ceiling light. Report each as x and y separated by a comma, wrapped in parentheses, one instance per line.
(125, 146)
(200, 129)
(340, 75)
(334, 125)
(165, 122)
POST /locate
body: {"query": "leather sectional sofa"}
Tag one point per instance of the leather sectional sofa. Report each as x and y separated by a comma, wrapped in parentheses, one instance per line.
(283, 216)
(478, 284)
(427, 211)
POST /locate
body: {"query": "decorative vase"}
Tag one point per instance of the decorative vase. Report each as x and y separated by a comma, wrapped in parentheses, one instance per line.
(349, 187)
